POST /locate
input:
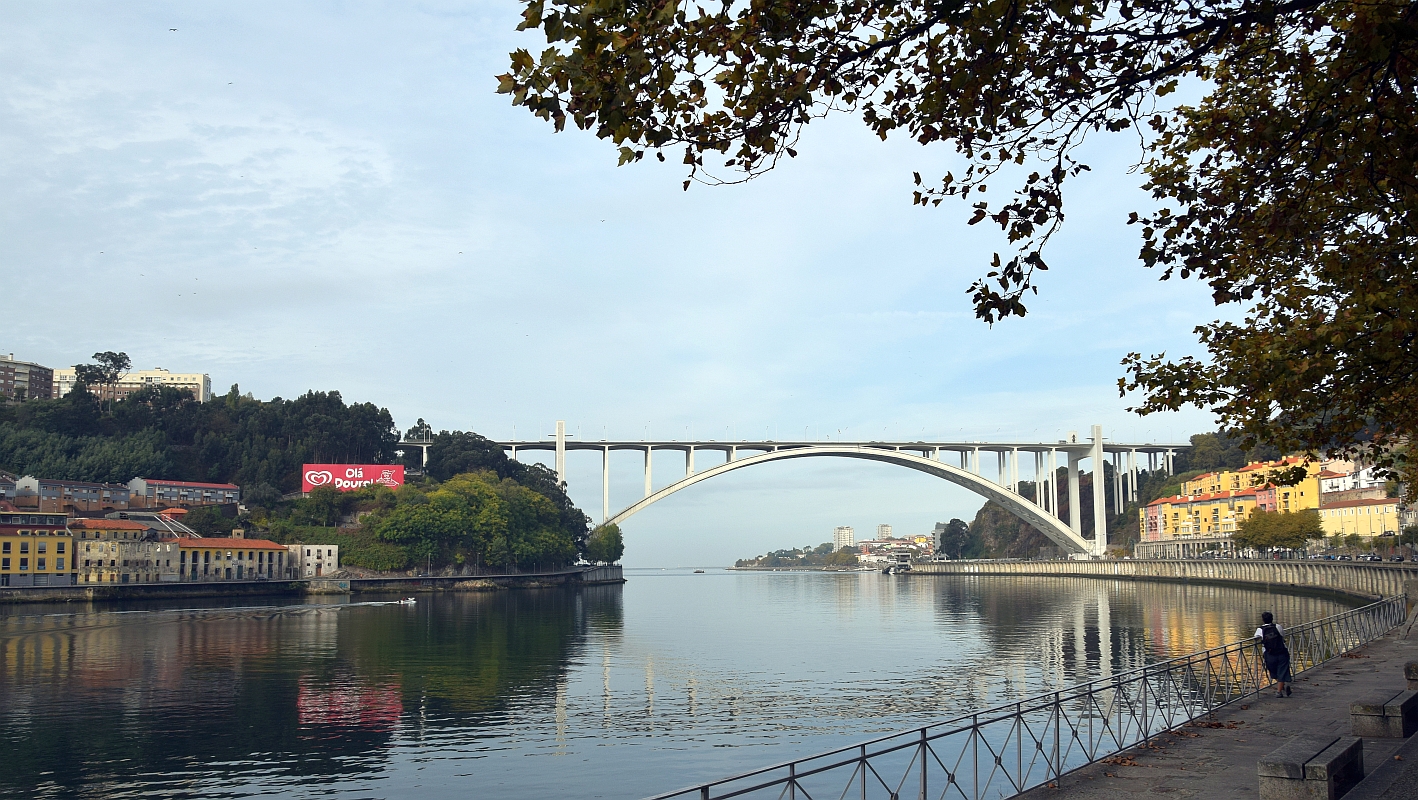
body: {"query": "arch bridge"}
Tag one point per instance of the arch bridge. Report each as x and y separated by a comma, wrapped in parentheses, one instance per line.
(938, 459)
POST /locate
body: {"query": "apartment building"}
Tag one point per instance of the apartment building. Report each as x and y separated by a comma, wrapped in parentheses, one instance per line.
(1368, 518)
(843, 536)
(23, 380)
(35, 549)
(199, 383)
(45, 494)
(154, 493)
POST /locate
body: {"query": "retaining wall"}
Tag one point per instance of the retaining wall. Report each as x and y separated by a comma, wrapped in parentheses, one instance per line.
(1358, 579)
(87, 593)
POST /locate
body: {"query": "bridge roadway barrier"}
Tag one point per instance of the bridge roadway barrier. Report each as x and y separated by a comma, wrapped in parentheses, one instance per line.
(1357, 579)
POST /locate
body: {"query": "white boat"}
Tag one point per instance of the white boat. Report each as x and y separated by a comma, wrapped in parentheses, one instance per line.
(407, 601)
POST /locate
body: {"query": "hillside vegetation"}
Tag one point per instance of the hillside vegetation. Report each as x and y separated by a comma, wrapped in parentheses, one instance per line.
(473, 507)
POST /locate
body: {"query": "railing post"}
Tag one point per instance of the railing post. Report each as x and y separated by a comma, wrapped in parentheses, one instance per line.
(792, 781)
(863, 766)
(704, 793)
(923, 764)
(1058, 732)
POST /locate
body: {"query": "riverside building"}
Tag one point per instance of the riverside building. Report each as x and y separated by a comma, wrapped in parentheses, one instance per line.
(122, 551)
(35, 548)
(210, 560)
(314, 560)
(153, 493)
(45, 494)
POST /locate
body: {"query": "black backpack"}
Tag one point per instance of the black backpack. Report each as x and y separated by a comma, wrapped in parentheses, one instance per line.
(1271, 639)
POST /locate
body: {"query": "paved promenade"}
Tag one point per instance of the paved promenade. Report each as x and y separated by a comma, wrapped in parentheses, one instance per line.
(1217, 759)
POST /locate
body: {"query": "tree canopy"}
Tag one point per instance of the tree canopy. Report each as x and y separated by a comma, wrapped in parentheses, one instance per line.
(1267, 529)
(1286, 182)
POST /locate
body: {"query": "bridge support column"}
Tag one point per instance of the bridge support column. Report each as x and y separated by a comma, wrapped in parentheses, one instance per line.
(605, 484)
(1074, 520)
(1014, 470)
(1132, 476)
(689, 461)
(648, 448)
(1100, 494)
(975, 461)
(561, 451)
(1118, 503)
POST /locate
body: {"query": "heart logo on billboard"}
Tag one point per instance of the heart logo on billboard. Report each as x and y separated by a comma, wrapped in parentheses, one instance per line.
(319, 477)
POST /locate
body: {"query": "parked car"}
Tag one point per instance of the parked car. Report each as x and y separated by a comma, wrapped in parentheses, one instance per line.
(1396, 558)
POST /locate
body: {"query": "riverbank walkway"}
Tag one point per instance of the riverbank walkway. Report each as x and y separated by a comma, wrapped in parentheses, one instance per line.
(1216, 757)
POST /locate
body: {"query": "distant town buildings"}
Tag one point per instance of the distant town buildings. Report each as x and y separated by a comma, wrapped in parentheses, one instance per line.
(843, 536)
(22, 380)
(1211, 507)
(883, 531)
(199, 383)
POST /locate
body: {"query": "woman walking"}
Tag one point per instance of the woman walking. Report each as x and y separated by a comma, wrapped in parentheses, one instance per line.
(1277, 655)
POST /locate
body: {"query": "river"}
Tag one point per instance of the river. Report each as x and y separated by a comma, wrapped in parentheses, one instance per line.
(605, 691)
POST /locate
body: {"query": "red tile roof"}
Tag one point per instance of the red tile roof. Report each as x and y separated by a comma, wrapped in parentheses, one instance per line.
(233, 544)
(1379, 501)
(155, 482)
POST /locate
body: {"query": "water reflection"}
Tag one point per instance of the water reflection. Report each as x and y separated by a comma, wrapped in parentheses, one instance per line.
(609, 691)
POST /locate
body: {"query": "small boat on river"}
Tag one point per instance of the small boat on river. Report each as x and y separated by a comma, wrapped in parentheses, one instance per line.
(407, 601)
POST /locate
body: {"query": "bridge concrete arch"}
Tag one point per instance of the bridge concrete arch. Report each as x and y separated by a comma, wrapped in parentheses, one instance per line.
(1042, 521)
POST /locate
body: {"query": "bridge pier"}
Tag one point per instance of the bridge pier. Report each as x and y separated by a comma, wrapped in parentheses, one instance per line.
(605, 484)
(648, 448)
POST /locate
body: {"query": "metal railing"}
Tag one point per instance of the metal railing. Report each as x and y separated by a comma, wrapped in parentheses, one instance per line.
(1007, 749)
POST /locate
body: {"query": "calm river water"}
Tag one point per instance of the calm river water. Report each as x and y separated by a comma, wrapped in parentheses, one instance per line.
(600, 692)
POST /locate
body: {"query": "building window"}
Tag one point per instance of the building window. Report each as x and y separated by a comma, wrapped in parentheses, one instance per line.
(24, 547)
(4, 563)
(24, 563)
(58, 565)
(4, 547)
(43, 547)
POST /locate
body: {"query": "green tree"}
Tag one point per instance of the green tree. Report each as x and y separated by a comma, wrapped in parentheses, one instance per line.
(605, 545)
(1287, 186)
(1277, 529)
(1354, 541)
(1409, 535)
(955, 538)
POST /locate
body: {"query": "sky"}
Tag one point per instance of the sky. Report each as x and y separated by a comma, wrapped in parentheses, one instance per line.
(332, 196)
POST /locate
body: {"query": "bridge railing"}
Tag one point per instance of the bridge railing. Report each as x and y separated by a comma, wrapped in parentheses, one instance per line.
(1010, 748)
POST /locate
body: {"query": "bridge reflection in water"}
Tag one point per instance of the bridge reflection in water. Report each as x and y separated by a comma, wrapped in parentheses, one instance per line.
(600, 690)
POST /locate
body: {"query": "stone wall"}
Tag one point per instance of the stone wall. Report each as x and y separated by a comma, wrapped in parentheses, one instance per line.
(1358, 579)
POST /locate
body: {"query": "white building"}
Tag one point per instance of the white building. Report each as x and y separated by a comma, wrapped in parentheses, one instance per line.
(843, 536)
(315, 560)
(199, 383)
(883, 531)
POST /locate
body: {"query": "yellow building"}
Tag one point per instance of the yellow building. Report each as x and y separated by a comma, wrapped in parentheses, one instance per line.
(231, 560)
(35, 549)
(1367, 518)
(1185, 525)
(1259, 475)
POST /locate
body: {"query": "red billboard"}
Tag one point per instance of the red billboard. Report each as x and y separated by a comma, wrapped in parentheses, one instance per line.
(348, 477)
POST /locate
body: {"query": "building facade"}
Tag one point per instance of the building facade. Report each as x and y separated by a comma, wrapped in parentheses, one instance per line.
(44, 494)
(313, 560)
(122, 551)
(843, 536)
(199, 383)
(22, 380)
(35, 549)
(1367, 518)
(152, 493)
(211, 559)
(883, 531)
